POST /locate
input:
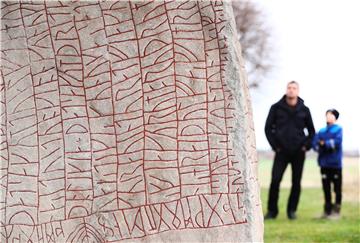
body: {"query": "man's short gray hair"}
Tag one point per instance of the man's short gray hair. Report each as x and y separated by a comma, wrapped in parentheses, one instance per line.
(293, 82)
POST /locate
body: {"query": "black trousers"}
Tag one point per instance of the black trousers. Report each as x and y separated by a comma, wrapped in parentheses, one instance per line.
(282, 159)
(331, 176)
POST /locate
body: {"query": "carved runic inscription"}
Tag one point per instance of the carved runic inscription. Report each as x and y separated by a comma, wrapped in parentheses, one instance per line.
(115, 120)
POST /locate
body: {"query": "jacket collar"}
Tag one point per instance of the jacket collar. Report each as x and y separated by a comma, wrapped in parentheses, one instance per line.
(298, 106)
(333, 127)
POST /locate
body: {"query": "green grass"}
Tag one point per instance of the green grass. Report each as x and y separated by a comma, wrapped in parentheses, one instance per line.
(308, 227)
(311, 174)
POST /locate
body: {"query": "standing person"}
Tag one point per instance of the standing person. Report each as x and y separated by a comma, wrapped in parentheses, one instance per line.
(328, 143)
(284, 130)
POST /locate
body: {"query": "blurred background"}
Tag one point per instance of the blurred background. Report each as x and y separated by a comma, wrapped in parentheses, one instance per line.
(316, 43)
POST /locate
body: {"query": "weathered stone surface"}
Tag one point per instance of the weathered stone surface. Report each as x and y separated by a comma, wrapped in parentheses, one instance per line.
(125, 120)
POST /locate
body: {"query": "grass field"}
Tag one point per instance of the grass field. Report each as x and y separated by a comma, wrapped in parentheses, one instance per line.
(308, 227)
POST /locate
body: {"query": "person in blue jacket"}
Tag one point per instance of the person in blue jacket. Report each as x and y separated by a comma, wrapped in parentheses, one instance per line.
(328, 143)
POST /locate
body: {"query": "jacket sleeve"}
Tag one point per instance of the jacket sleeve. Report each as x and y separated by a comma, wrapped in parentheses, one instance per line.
(311, 130)
(334, 143)
(315, 142)
(270, 128)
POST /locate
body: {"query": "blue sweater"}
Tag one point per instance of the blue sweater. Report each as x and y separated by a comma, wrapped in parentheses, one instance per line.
(330, 154)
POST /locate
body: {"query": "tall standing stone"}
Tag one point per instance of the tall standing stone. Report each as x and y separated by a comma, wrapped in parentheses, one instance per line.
(125, 120)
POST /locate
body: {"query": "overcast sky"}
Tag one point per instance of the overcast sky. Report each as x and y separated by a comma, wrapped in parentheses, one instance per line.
(317, 43)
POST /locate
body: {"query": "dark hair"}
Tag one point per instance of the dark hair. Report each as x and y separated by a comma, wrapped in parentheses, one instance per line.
(334, 112)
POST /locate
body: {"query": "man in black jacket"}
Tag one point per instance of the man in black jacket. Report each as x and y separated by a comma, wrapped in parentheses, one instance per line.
(284, 130)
